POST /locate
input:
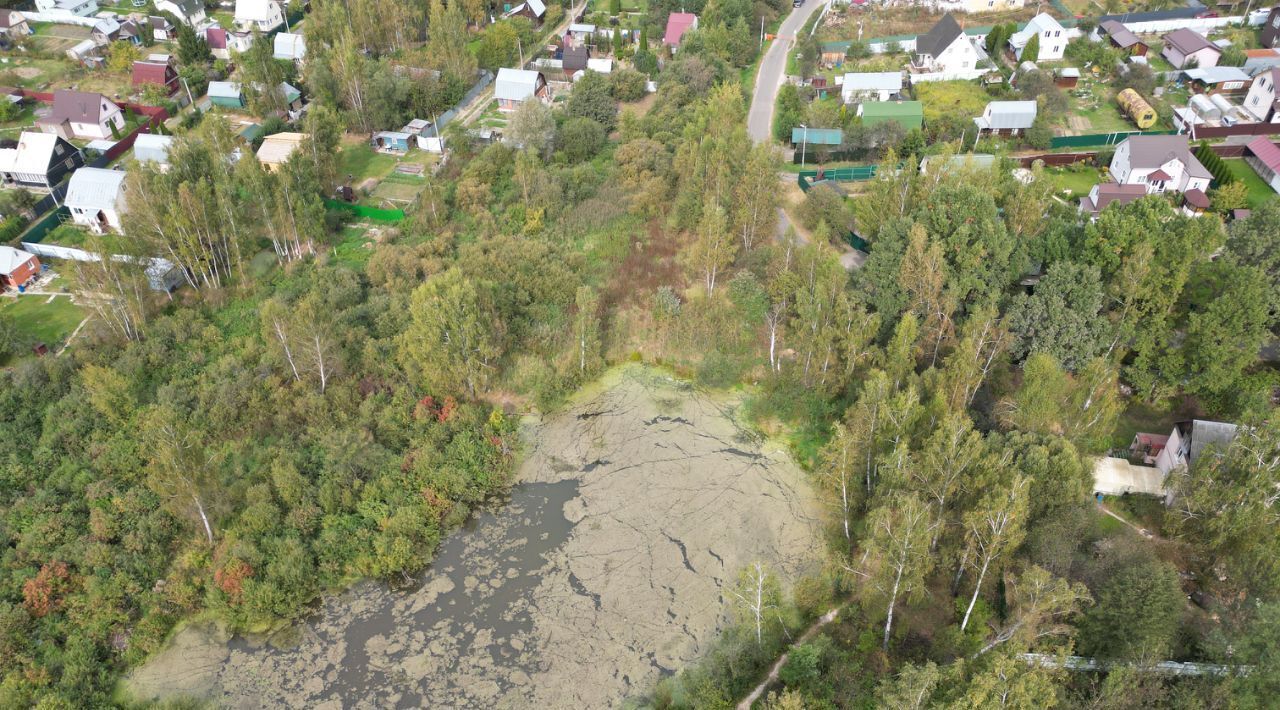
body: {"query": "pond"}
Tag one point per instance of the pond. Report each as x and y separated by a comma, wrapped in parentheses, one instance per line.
(603, 569)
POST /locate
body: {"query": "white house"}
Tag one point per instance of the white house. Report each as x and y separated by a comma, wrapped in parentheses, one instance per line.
(1188, 441)
(80, 114)
(1053, 38)
(945, 48)
(1184, 48)
(95, 197)
(1161, 163)
(1260, 102)
(514, 86)
(80, 8)
(290, 46)
(190, 12)
(1006, 118)
(870, 86)
(260, 15)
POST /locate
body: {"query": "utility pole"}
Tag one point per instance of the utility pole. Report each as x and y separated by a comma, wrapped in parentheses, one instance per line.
(804, 143)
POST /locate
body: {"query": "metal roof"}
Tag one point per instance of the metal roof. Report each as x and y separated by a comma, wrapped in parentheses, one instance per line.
(1008, 115)
(515, 84)
(95, 189)
(1150, 152)
(224, 89)
(1188, 41)
(1265, 151)
(1216, 75)
(873, 81)
(32, 155)
(939, 37)
(152, 148)
(11, 259)
(817, 136)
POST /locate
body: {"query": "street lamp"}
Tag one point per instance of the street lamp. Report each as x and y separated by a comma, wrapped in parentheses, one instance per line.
(804, 142)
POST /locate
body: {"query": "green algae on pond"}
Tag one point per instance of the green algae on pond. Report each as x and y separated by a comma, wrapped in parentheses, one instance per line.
(601, 570)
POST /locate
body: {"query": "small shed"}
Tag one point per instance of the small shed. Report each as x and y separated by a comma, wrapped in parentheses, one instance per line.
(152, 148)
(1067, 77)
(1007, 117)
(393, 142)
(226, 94)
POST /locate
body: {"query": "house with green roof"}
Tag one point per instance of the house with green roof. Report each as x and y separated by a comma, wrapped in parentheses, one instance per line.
(908, 114)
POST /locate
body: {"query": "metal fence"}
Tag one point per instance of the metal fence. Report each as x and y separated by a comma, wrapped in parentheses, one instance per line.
(856, 173)
(373, 213)
(1100, 139)
(41, 227)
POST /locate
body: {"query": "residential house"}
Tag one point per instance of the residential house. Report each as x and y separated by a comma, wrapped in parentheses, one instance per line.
(160, 74)
(290, 46)
(945, 48)
(1264, 157)
(277, 147)
(17, 267)
(1006, 118)
(80, 8)
(131, 32)
(1188, 442)
(223, 43)
(581, 32)
(1184, 48)
(261, 15)
(162, 29)
(226, 94)
(1147, 447)
(1053, 40)
(514, 86)
(1123, 38)
(574, 58)
(96, 199)
(189, 12)
(871, 86)
(393, 142)
(105, 31)
(678, 23)
(1216, 80)
(1160, 164)
(908, 114)
(14, 24)
(1270, 33)
(81, 114)
(153, 149)
(535, 10)
(38, 160)
(1262, 102)
(1107, 193)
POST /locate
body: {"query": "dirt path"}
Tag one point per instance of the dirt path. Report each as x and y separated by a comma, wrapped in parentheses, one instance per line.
(776, 668)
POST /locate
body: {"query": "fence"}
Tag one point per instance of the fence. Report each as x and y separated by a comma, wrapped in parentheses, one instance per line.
(41, 227)
(856, 173)
(373, 213)
(1100, 139)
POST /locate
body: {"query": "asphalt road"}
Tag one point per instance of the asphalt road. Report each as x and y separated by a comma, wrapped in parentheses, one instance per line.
(772, 67)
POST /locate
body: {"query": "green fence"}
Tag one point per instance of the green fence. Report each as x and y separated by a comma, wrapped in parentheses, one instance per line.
(855, 173)
(41, 227)
(373, 213)
(1100, 139)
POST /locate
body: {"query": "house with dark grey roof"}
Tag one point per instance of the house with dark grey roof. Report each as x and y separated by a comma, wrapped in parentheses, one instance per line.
(190, 12)
(1185, 47)
(1122, 37)
(1160, 164)
(81, 114)
(38, 160)
(945, 48)
(1106, 193)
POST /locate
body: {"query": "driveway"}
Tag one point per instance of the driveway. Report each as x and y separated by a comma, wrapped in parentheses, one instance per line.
(772, 67)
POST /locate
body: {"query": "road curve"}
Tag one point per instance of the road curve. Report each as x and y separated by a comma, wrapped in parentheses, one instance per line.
(772, 67)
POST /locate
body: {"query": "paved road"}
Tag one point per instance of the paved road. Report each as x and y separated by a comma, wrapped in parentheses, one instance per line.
(772, 66)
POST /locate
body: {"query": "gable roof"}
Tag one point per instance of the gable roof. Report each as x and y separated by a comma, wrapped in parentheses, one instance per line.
(11, 259)
(515, 84)
(677, 24)
(1007, 115)
(289, 46)
(873, 81)
(147, 72)
(1109, 192)
(31, 156)
(539, 8)
(1150, 152)
(216, 37)
(1187, 41)
(188, 8)
(1121, 35)
(224, 89)
(939, 37)
(9, 18)
(77, 107)
(94, 188)
(575, 57)
(254, 10)
(107, 26)
(1039, 24)
(277, 147)
(1216, 75)
(160, 22)
(1266, 151)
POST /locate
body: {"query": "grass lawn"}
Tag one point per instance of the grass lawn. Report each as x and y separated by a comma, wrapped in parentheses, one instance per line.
(362, 162)
(1078, 182)
(1141, 416)
(945, 98)
(69, 235)
(39, 322)
(351, 248)
(1259, 191)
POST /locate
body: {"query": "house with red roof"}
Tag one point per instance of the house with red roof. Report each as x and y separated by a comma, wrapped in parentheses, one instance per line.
(157, 74)
(678, 23)
(1264, 157)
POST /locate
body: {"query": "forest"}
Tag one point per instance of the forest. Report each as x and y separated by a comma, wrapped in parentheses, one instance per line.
(291, 422)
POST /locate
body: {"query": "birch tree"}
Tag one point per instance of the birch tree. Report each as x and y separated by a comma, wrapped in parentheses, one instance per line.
(756, 198)
(838, 469)
(993, 529)
(713, 248)
(455, 335)
(1041, 606)
(896, 558)
(177, 466)
(946, 460)
(586, 329)
(757, 593)
(923, 276)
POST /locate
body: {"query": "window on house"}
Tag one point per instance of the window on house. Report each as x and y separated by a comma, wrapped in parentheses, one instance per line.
(58, 149)
(70, 163)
